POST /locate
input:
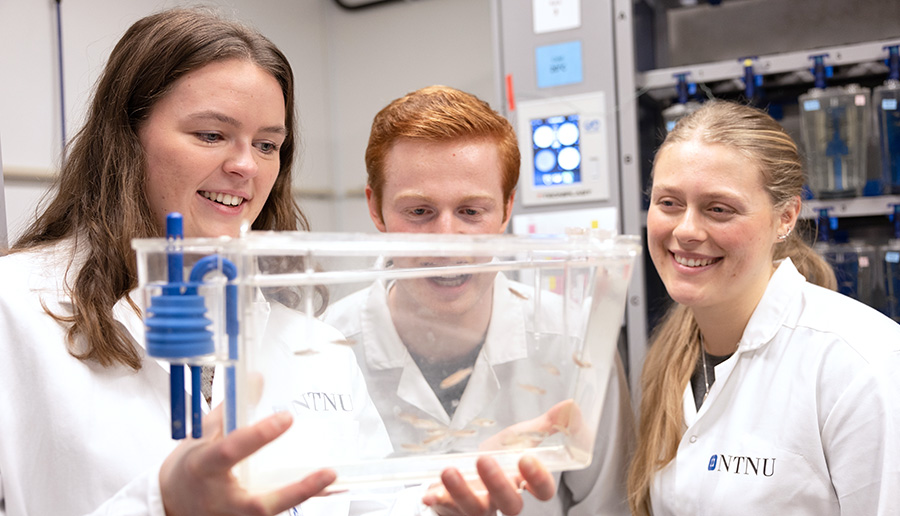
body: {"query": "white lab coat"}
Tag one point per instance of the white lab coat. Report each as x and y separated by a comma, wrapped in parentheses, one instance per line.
(77, 438)
(306, 373)
(803, 419)
(398, 388)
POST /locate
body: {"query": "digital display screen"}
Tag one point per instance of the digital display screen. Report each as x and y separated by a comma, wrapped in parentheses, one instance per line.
(557, 150)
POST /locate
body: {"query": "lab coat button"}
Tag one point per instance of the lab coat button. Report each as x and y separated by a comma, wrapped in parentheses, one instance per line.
(693, 438)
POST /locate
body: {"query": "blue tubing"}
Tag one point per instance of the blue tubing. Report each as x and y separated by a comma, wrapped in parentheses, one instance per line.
(230, 399)
(176, 386)
(175, 264)
(196, 403)
(231, 328)
(204, 266)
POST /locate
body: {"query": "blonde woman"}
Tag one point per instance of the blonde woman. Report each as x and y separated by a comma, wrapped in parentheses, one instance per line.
(763, 393)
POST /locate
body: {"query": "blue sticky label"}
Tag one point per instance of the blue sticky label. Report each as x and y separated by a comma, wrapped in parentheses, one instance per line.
(892, 257)
(811, 105)
(889, 104)
(558, 64)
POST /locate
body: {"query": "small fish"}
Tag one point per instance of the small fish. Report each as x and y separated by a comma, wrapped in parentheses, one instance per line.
(417, 422)
(455, 378)
(413, 447)
(464, 433)
(517, 293)
(524, 439)
(304, 352)
(563, 429)
(344, 342)
(550, 368)
(513, 441)
(434, 438)
(579, 362)
(536, 435)
(516, 441)
(532, 388)
(483, 422)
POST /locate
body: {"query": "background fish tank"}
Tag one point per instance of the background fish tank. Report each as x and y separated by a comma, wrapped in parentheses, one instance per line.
(450, 346)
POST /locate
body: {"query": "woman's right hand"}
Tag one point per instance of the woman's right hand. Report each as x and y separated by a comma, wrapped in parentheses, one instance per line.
(196, 478)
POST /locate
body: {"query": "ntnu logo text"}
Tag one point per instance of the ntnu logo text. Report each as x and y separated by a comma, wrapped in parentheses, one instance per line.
(324, 402)
(742, 465)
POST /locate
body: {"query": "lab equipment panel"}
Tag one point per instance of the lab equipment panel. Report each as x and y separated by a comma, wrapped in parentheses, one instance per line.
(399, 355)
(564, 151)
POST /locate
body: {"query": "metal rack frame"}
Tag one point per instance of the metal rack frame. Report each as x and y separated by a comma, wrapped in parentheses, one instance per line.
(631, 83)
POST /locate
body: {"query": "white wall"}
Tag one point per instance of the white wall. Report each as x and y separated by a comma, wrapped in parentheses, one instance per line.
(386, 51)
(348, 64)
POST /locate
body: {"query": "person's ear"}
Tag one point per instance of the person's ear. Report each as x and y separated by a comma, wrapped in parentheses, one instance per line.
(508, 210)
(789, 216)
(375, 210)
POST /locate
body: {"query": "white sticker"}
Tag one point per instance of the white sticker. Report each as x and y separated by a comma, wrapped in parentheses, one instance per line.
(555, 15)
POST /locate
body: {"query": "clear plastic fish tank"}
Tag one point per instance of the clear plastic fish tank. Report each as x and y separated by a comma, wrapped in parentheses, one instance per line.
(886, 102)
(834, 128)
(889, 260)
(855, 269)
(400, 355)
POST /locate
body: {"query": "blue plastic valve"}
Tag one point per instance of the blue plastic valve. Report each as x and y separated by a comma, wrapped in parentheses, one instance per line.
(682, 87)
(893, 62)
(177, 330)
(820, 71)
(752, 80)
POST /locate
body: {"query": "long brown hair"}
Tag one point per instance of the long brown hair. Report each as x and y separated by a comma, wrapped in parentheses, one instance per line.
(439, 114)
(99, 199)
(675, 343)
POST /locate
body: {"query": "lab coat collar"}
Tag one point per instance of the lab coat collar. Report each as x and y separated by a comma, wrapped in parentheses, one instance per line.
(722, 374)
(775, 308)
(59, 264)
(384, 349)
(504, 342)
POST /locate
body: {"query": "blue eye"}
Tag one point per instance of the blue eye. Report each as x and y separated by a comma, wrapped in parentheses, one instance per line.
(209, 137)
(268, 147)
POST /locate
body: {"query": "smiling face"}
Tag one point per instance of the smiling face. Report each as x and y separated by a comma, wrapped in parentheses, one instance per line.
(452, 187)
(711, 227)
(442, 187)
(211, 146)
